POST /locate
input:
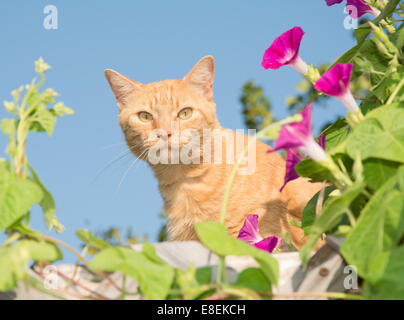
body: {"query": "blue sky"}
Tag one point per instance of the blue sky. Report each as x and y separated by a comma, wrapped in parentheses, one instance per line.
(147, 41)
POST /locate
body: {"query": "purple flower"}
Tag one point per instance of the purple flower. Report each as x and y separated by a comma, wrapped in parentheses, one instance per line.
(295, 138)
(332, 2)
(250, 233)
(285, 51)
(357, 8)
(335, 82)
(321, 141)
(293, 157)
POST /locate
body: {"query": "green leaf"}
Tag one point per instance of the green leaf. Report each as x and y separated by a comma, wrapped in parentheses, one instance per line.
(60, 109)
(17, 196)
(203, 275)
(336, 133)
(8, 279)
(400, 178)
(367, 239)
(254, 279)
(309, 212)
(47, 204)
(14, 260)
(8, 126)
(349, 55)
(387, 84)
(378, 171)
(387, 282)
(331, 214)
(398, 37)
(89, 239)
(154, 279)
(311, 169)
(394, 220)
(216, 238)
(381, 137)
(40, 251)
(371, 55)
(150, 252)
(43, 120)
(370, 103)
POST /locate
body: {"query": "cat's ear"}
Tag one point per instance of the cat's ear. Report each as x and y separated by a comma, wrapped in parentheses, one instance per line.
(121, 86)
(201, 76)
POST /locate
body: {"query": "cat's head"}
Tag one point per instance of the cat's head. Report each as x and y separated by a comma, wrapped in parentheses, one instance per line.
(165, 114)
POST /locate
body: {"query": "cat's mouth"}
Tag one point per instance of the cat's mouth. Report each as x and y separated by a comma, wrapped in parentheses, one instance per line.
(173, 151)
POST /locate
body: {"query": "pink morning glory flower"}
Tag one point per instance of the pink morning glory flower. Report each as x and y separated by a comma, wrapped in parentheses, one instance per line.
(297, 137)
(332, 2)
(285, 51)
(250, 233)
(321, 141)
(335, 82)
(356, 8)
(293, 157)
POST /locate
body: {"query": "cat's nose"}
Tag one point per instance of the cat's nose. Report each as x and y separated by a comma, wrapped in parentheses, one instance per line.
(163, 134)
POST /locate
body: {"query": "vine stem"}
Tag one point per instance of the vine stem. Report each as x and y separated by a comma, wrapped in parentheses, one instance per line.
(36, 284)
(78, 284)
(123, 292)
(79, 256)
(232, 176)
(351, 218)
(395, 92)
(364, 99)
(221, 270)
(23, 128)
(260, 134)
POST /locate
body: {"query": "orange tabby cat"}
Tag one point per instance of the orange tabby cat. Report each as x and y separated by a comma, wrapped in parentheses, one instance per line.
(159, 113)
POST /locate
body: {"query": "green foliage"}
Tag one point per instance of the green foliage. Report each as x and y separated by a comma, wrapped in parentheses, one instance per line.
(20, 186)
(309, 212)
(379, 227)
(16, 196)
(111, 236)
(91, 240)
(15, 258)
(331, 214)
(254, 279)
(380, 135)
(215, 237)
(47, 204)
(154, 276)
(368, 207)
(256, 107)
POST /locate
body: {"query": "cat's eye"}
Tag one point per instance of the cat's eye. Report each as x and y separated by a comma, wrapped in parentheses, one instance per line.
(185, 113)
(145, 116)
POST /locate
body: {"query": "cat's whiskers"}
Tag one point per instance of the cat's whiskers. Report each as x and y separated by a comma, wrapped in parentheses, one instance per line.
(130, 167)
(120, 156)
